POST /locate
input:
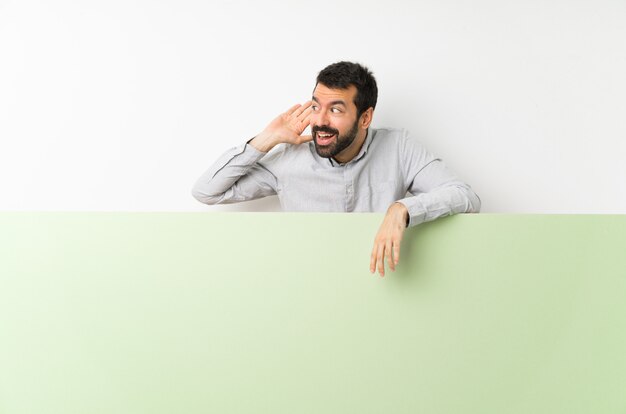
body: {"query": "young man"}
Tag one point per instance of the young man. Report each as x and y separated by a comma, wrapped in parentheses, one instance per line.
(343, 166)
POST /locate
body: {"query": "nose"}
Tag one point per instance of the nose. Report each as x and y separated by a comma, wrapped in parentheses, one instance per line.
(320, 119)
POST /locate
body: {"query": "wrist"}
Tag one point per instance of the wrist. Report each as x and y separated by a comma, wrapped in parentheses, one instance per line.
(401, 212)
(263, 142)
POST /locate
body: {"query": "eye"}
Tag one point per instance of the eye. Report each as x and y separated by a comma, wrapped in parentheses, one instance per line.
(314, 107)
(336, 110)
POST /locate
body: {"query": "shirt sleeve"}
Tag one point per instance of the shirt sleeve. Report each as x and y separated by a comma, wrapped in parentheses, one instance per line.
(436, 191)
(237, 175)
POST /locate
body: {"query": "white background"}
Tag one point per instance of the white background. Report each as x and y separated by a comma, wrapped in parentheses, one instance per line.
(122, 105)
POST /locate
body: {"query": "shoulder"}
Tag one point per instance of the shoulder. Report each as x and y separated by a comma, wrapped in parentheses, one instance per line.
(395, 137)
(284, 154)
(389, 133)
(283, 150)
(273, 156)
(410, 151)
(392, 134)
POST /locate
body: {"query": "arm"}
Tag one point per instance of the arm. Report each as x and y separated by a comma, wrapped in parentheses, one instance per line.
(239, 174)
(436, 192)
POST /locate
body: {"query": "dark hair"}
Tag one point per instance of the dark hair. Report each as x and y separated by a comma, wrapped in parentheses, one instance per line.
(341, 75)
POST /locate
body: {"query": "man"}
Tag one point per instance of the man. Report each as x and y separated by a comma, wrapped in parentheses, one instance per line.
(343, 166)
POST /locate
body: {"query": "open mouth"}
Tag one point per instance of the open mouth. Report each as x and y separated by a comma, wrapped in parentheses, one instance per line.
(324, 138)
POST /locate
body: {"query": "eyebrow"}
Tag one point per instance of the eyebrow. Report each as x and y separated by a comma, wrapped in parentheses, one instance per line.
(338, 102)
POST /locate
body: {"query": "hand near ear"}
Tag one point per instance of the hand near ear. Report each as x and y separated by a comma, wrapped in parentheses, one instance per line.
(286, 127)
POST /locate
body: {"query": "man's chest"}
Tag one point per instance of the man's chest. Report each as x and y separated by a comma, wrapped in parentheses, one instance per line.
(351, 187)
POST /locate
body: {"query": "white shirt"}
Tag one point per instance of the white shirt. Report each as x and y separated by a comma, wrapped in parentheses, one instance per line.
(389, 165)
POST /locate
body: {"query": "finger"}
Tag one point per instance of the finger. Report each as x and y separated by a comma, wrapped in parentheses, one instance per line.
(380, 260)
(396, 252)
(292, 109)
(305, 138)
(388, 256)
(301, 109)
(306, 120)
(373, 259)
(306, 113)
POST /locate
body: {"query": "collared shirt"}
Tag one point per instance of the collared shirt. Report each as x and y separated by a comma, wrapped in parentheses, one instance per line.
(390, 167)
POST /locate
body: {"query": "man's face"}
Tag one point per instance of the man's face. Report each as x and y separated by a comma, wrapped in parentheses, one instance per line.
(334, 124)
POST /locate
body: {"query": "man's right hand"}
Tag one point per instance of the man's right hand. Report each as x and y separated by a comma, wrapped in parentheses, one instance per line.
(286, 128)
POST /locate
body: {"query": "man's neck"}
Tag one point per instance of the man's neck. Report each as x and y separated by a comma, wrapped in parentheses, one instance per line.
(353, 150)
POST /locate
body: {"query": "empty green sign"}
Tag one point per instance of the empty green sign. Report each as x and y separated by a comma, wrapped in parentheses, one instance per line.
(278, 313)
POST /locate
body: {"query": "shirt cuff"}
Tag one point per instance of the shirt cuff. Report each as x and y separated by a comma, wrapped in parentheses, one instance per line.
(417, 213)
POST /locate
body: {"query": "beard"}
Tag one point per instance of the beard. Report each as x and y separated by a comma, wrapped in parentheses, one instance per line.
(340, 143)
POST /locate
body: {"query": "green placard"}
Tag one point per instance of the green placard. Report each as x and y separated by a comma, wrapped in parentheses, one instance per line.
(278, 313)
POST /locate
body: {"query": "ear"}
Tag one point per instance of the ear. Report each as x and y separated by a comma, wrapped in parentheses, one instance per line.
(366, 118)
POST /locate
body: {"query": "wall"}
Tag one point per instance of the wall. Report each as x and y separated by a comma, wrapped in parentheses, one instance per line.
(122, 105)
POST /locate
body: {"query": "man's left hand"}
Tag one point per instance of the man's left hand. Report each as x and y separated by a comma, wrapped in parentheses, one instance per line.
(387, 241)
